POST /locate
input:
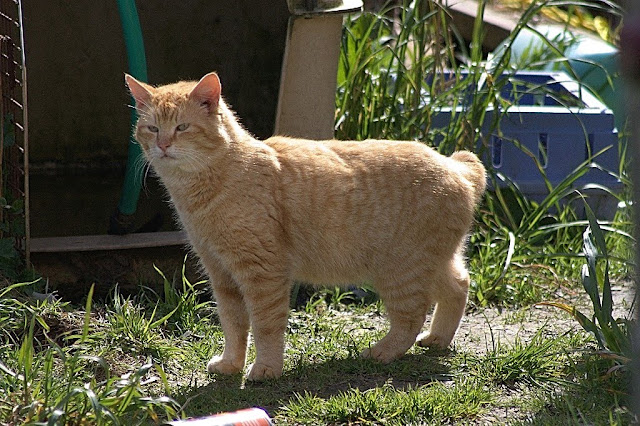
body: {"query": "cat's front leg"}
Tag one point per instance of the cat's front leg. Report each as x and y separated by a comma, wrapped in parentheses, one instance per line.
(268, 305)
(234, 320)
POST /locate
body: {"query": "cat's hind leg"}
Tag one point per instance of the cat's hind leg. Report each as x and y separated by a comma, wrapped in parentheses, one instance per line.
(234, 320)
(450, 297)
(406, 302)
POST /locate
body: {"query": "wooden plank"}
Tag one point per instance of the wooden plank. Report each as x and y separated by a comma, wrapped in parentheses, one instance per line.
(107, 242)
(307, 98)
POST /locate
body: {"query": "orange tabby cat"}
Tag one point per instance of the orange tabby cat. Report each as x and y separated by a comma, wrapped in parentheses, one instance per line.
(261, 214)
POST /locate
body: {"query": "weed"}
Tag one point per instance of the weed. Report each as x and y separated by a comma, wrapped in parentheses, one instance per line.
(92, 379)
(612, 334)
(135, 332)
(537, 362)
(186, 306)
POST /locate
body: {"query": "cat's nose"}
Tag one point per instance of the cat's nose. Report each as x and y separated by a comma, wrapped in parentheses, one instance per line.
(163, 143)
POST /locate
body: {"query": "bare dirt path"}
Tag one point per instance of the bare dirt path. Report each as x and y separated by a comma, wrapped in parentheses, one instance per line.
(480, 329)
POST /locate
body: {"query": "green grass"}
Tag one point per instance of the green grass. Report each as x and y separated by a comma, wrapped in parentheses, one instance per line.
(95, 376)
(61, 375)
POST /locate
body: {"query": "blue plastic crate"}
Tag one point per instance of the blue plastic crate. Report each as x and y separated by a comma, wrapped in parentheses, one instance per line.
(592, 59)
(558, 122)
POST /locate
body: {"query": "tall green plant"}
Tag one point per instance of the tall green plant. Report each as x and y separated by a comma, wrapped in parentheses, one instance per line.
(186, 304)
(399, 66)
(611, 334)
(516, 230)
(384, 60)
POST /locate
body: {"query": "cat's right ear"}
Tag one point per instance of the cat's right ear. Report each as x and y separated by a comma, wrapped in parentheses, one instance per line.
(139, 91)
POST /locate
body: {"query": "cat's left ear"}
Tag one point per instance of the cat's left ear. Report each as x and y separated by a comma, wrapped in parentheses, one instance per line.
(140, 91)
(207, 91)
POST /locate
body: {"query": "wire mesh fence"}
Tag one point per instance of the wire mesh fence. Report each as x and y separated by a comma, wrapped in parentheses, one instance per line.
(14, 223)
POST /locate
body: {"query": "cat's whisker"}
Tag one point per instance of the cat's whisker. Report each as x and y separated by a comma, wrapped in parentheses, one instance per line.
(142, 112)
(189, 156)
(147, 171)
(145, 176)
(141, 161)
(145, 115)
(142, 167)
(193, 157)
(144, 103)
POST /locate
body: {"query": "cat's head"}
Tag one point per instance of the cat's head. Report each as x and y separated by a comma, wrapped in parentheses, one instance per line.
(178, 123)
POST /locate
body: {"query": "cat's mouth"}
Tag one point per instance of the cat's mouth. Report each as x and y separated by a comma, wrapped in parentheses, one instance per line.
(164, 155)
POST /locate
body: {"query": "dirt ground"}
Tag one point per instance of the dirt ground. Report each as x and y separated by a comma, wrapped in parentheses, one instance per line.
(482, 327)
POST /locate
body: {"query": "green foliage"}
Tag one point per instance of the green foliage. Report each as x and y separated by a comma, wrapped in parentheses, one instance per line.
(136, 332)
(394, 74)
(383, 89)
(15, 313)
(187, 305)
(514, 230)
(612, 334)
(46, 383)
(88, 374)
(535, 362)
(61, 387)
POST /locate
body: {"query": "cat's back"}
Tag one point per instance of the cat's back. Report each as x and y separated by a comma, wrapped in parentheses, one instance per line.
(370, 156)
(331, 178)
(355, 149)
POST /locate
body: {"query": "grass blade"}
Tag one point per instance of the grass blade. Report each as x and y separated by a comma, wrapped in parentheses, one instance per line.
(87, 315)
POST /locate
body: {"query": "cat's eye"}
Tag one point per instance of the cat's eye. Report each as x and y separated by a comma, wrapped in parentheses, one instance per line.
(153, 129)
(182, 127)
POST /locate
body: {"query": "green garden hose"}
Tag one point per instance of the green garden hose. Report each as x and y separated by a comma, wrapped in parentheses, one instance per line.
(122, 219)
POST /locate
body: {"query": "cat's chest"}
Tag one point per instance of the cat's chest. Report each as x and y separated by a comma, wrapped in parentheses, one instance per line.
(202, 230)
(217, 222)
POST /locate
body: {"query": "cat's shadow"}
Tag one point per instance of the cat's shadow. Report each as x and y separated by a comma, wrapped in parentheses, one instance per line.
(323, 380)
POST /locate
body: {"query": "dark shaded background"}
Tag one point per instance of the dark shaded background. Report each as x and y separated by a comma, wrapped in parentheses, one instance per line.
(76, 59)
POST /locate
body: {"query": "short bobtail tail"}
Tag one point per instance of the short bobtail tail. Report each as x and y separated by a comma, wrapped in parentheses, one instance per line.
(473, 171)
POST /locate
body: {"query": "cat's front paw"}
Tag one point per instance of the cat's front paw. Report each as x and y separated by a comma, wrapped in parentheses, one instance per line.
(428, 340)
(219, 365)
(260, 372)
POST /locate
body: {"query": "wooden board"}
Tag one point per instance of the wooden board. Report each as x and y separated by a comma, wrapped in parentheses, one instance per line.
(107, 242)
(307, 99)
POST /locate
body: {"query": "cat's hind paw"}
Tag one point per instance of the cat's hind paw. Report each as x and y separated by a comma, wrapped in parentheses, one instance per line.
(379, 354)
(260, 372)
(219, 365)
